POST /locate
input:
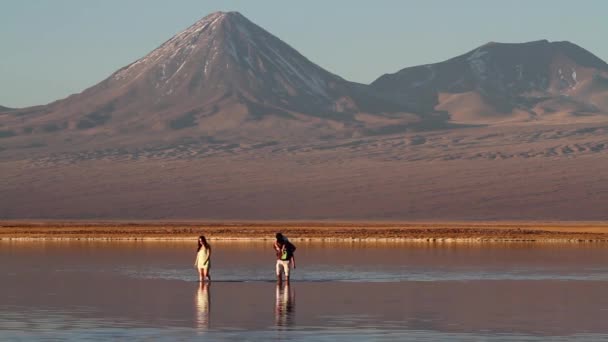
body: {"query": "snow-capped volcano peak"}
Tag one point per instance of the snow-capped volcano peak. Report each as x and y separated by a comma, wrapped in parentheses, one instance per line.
(178, 48)
(226, 50)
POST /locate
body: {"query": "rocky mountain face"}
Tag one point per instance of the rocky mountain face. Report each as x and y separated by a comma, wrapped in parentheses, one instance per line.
(506, 81)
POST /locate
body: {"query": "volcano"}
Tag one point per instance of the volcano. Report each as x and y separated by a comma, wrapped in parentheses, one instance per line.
(223, 76)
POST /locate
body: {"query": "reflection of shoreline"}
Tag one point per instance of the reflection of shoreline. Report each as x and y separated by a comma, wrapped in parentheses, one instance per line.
(284, 305)
(202, 305)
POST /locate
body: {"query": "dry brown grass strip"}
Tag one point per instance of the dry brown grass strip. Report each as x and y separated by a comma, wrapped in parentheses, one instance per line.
(507, 231)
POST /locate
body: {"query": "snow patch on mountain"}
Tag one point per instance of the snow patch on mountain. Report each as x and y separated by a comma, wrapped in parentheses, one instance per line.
(179, 47)
(478, 64)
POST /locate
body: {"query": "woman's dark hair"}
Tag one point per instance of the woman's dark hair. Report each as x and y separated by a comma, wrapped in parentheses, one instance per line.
(202, 242)
(279, 237)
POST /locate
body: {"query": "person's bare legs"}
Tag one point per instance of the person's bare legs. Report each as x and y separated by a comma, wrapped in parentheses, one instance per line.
(279, 269)
(279, 277)
(200, 275)
(206, 274)
(287, 270)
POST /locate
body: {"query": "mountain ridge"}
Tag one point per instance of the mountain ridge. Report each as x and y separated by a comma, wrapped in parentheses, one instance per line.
(225, 77)
(500, 78)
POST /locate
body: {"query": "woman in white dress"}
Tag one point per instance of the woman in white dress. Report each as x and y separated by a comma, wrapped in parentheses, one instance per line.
(202, 261)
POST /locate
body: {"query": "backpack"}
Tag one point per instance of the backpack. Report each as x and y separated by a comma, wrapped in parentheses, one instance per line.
(289, 249)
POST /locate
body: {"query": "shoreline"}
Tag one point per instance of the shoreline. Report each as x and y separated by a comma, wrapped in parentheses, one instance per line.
(439, 241)
(415, 232)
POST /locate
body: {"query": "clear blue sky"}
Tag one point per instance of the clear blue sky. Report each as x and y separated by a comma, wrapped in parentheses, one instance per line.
(53, 48)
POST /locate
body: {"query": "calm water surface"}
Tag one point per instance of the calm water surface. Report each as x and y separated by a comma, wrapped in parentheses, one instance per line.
(340, 291)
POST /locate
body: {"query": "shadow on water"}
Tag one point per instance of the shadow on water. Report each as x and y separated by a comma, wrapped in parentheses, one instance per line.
(285, 305)
(202, 305)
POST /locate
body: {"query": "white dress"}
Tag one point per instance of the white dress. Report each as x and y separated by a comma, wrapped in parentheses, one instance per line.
(201, 257)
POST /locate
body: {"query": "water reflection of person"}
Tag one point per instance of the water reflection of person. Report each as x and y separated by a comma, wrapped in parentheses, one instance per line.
(202, 305)
(284, 305)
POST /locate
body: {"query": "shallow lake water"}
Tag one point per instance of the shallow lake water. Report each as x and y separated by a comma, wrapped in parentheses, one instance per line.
(339, 291)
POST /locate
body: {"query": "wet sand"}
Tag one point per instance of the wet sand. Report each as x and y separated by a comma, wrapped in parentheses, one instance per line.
(312, 231)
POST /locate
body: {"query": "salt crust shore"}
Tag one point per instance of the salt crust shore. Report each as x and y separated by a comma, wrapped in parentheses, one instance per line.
(338, 240)
(417, 232)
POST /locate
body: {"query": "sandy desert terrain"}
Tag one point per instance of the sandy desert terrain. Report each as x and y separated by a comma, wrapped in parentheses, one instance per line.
(489, 173)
